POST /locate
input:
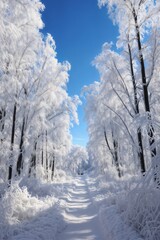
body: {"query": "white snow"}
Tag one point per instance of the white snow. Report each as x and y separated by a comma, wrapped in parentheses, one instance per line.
(109, 199)
(30, 215)
(77, 208)
(80, 214)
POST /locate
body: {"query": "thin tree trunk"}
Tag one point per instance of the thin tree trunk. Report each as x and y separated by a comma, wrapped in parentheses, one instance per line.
(53, 167)
(12, 143)
(2, 121)
(136, 104)
(20, 157)
(2, 117)
(33, 160)
(114, 152)
(46, 155)
(115, 146)
(145, 88)
(42, 153)
(106, 139)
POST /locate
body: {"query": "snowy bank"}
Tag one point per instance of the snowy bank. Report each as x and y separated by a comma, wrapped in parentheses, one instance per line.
(110, 199)
(114, 227)
(30, 216)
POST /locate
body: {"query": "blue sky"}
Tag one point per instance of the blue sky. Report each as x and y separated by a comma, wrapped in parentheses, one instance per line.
(79, 28)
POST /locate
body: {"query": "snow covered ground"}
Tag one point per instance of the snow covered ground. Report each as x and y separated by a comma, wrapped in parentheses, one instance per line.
(109, 199)
(31, 211)
(80, 214)
(79, 208)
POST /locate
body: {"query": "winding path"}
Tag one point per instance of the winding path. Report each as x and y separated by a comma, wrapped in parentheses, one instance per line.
(80, 214)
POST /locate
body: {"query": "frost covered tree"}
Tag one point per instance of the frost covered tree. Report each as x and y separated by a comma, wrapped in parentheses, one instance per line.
(125, 98)
(138, 23)
(35, 109)
(20, 40)
(77, 160)
(117, 82)
(109, 136)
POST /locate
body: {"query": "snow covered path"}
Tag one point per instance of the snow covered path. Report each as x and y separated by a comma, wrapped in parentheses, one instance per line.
(80, 214)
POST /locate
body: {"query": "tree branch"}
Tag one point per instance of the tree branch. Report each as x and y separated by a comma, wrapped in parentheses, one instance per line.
(122, 122)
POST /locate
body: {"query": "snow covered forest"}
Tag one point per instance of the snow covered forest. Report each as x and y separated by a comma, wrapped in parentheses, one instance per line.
(51, 189)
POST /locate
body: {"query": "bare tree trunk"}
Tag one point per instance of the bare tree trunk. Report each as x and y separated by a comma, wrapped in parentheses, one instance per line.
(42, 152)
(12, 142)
(115, 147)
(20, 157)
(145, 87)
(46, 155)
(136, 104)
(2, 117)
(53, 167)
(2, 122)
(33, 160)
(113, 152)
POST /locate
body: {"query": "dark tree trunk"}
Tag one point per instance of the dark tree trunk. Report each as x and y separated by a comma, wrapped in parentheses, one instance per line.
(140, 152)
(115, 146)
(114, 152)
(12, 142)
(42, 152)
(136, 104)
(106, 139)
(53, 166)
(20, 157)
(2, 117)
(2, 121)
(46, 155)
(33, 160)
(145, 87)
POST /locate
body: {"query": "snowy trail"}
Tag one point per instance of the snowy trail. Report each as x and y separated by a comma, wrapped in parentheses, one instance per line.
(80, 215)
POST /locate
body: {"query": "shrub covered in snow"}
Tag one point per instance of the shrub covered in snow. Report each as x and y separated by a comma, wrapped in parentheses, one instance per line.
(143, 212)
(129, 207)
(24, 216)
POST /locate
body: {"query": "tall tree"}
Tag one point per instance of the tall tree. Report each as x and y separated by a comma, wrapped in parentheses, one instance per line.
(33, 92)
(138, 22)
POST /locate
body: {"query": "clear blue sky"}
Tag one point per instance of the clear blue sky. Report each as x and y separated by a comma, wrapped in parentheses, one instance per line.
(79, 28)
